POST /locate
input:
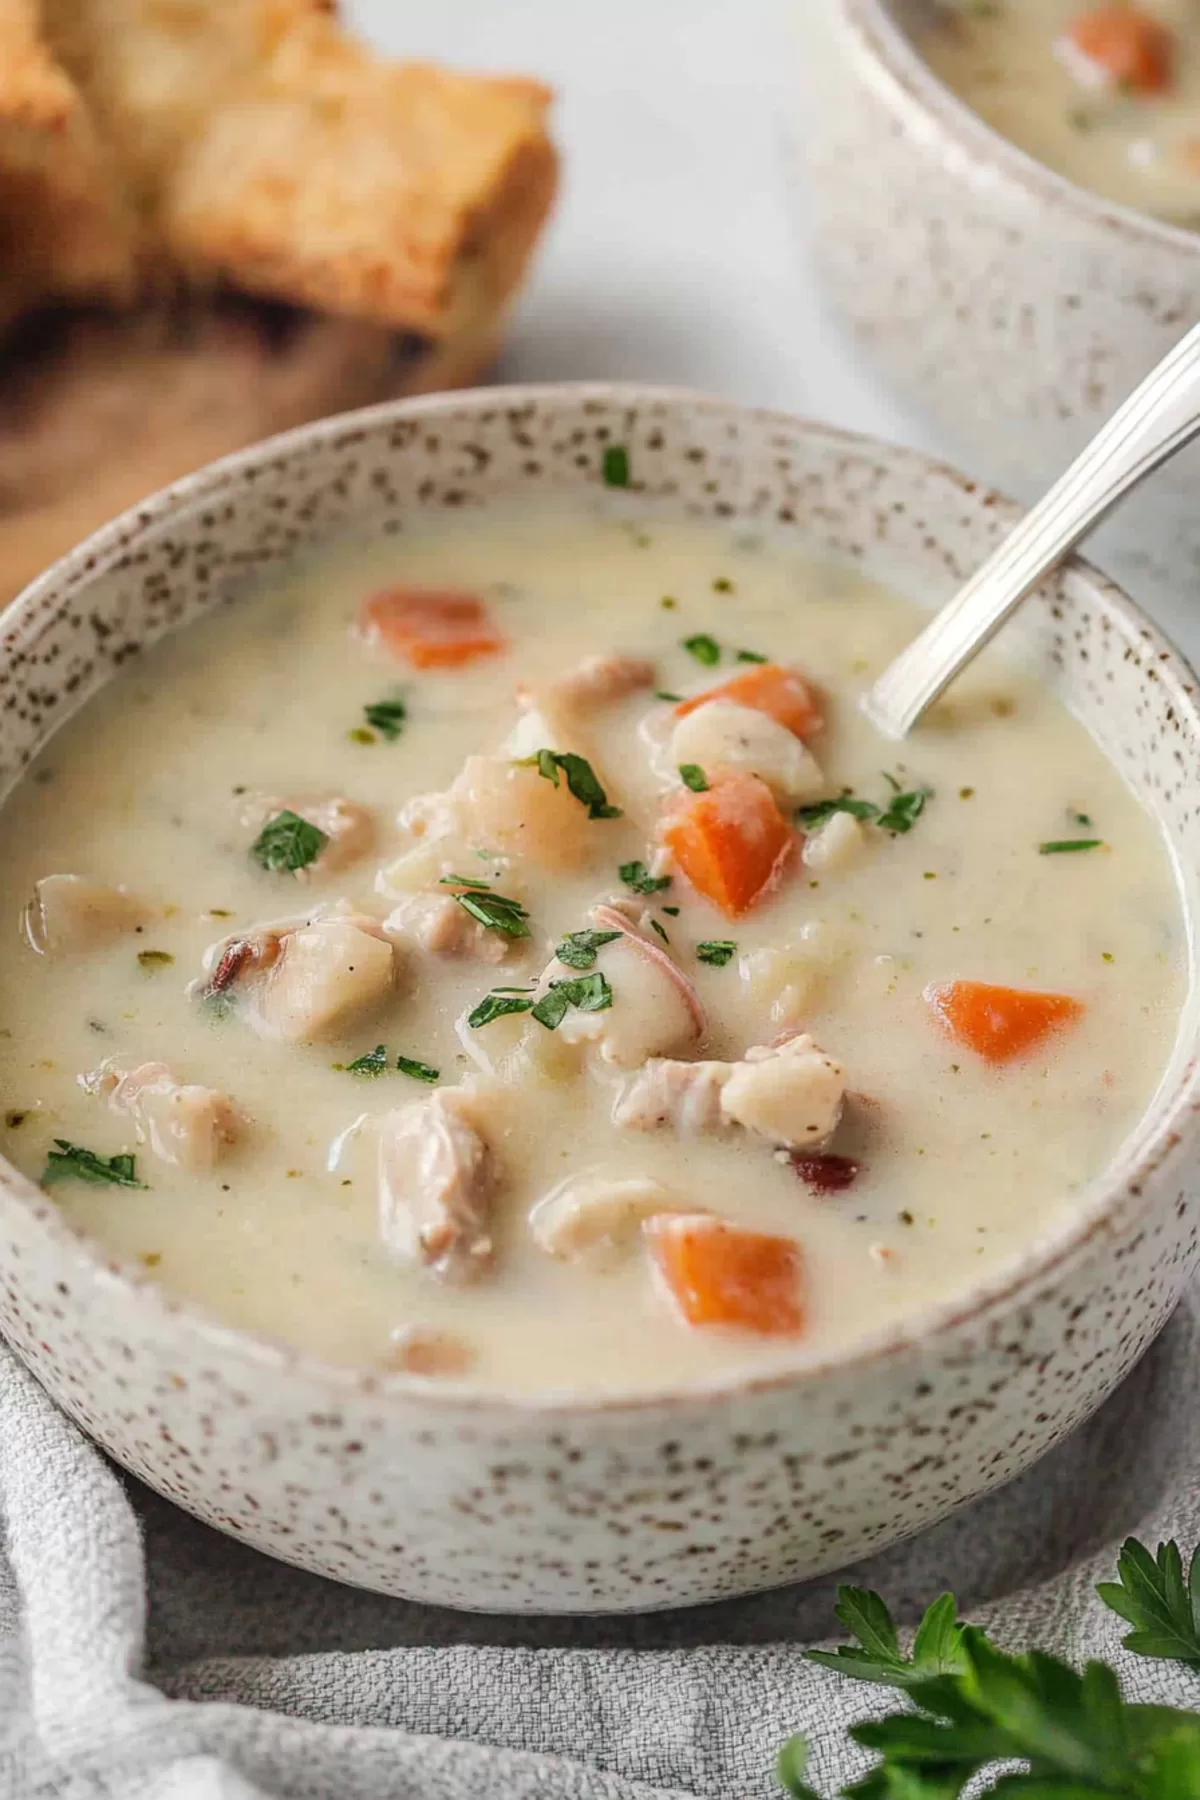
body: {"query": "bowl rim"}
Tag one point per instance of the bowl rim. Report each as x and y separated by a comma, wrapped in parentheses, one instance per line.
(914, 86)
(1120, 1184)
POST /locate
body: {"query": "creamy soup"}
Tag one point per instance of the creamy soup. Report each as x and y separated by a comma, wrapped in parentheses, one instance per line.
(404, 965)
(1108, 94)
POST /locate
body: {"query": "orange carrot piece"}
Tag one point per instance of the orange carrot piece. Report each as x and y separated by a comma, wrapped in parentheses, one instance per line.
(720, 1274)
(768, 688)
(1134, 49)
(1000, 1023)
(430, 628)
(731, 841)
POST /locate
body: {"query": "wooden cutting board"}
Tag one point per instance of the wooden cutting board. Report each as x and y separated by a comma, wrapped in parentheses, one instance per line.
(97, 410)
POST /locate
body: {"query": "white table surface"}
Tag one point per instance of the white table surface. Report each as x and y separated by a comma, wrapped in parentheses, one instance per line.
(676, 253)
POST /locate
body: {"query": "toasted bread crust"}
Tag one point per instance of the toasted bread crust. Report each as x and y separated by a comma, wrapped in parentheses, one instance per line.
(255, 144)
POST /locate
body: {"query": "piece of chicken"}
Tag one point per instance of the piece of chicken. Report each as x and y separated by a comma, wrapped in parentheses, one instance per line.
(349, 828)
(305, 980)
(70, 913)
(437, 1179)
(593, 1216)
(722, 735)
(790, 1093)
(655, 1009)
(186, 1125)
(438, 924)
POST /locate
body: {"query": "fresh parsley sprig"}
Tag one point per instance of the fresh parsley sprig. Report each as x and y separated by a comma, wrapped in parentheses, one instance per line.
(972, 1705)
(578, 949)
(1152, 1594)
(582, 780)
(386, 717)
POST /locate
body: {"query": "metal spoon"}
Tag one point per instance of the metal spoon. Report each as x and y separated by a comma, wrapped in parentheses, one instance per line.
(1159, 418)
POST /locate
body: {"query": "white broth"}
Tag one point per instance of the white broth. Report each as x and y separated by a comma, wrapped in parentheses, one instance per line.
(282, 1191)
(1106, 94)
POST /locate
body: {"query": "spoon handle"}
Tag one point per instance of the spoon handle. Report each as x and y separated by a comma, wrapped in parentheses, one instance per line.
(1159, 418)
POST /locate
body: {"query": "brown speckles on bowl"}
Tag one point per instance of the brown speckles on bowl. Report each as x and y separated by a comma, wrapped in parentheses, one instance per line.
(605, 1503)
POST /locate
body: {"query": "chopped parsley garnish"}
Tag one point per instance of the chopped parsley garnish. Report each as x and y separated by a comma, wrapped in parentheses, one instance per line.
(578, 949)
(717, 951)
(671, 699)
(637, 876)
(373, 1063)
(497, 1004)
(419, 1071)
(903, 812)
(496, 912)
(820, 810)
(155, 959)
(672, 912)
(463, 881)
(705, 649)
(586, 993)
(898, 816)
(72, 1162)
(386, 717)
(1081, 818)
(1060, 846)
(358, 734)
(582, 780)
(655, 926)
(14, 1118)
(693, 776)
(751, 656)
(722, 585)
(615, 466)
(287, 843)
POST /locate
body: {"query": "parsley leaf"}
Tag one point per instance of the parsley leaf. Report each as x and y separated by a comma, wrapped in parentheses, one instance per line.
(693, 776)
(614, 466)
(586, 993)
(637, 876)
(903, 811)
(671, 699)
(717, 951)
(287, 843)
(578, 949)
(1150, 1593)
(419, 1071)
(497, 1005)
(705, 649)
(496, 912)
(751, 656)
(387, 717)
(72, 1161)
(582, 780)
(1060, 846)
(155, 959)
(373, 1063)
(878, 1657)
(820, 810)
(655, 926)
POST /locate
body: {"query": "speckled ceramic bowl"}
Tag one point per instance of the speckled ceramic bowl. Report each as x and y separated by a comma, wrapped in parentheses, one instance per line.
(1016, 307)
(571, 1503)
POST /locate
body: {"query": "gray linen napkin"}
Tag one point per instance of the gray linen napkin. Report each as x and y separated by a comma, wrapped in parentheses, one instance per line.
(144, 1657)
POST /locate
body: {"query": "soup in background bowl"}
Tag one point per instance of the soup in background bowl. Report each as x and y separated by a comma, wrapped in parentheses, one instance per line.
(538, 1106)
(1016, 305)
(1108, 94)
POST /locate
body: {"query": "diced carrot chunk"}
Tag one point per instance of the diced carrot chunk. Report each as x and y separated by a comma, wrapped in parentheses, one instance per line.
(731, 842)
(1135, 50)
(720, 1274)
(430, 628)
(768, 688)
(1000, 1023)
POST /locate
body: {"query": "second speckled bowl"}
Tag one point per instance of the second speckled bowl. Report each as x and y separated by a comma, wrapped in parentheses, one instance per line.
(1018, 309)
(576, 1502)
